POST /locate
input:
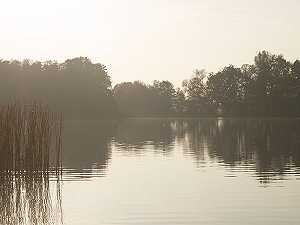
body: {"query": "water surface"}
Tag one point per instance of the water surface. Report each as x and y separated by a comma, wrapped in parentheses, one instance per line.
(206, 171)
(168, 171)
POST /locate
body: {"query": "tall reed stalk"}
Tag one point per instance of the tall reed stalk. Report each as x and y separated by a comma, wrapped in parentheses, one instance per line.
(29, 135)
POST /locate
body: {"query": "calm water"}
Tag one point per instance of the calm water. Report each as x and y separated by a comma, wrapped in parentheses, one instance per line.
(154, 171)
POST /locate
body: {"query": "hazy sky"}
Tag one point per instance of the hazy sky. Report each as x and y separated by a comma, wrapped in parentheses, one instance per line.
(150, 39)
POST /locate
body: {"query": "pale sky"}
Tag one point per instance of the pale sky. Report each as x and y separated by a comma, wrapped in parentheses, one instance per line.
(150, 39)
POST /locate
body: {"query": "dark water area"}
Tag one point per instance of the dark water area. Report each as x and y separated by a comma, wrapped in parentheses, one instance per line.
(166, 171)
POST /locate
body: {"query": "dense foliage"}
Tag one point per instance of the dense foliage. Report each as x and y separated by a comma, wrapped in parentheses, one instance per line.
(270, 87)
(77, 87)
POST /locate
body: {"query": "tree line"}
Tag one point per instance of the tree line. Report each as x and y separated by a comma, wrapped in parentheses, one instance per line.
(77, 87)
(270, 87)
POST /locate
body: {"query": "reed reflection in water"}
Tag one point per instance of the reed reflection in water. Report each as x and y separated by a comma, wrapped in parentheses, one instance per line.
(30, 199)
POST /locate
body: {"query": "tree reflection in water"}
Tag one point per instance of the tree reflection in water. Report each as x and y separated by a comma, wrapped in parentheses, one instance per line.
(28, 199)
(270, 147)
(135, 136)
(267, 148)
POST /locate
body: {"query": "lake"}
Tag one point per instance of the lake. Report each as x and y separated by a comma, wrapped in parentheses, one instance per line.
(169, 171)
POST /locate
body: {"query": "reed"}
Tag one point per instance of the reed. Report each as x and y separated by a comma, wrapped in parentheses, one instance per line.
(30, 138)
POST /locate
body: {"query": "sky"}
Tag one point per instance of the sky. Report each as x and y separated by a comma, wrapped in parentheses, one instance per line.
(150, 40)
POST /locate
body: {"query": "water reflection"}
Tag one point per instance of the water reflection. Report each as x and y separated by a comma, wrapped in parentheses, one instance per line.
(86, 147)
(29, 199)
(139, 135)
(268, 148)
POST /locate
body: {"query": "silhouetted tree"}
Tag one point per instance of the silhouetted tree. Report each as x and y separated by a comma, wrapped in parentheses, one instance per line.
(78, 87)
(88, 87)
(227, 91)
(195, 90)
(248, 83)
(140, 100)
(134, 99)
(268, 88)
(274, 83)
(179, 103)
(295, 89)
(164, 94)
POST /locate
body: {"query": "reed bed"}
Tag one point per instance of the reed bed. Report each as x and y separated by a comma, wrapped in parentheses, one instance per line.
(30, 138)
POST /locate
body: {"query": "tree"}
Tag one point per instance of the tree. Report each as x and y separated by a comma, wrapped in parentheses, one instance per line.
(196, 94)
(140, 100)
(227, 91)
(248, 84)
(274, 83)
(179, 103)
(134, 99)
(165, 95)
(88, 89)
(77, 87)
